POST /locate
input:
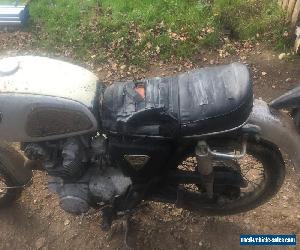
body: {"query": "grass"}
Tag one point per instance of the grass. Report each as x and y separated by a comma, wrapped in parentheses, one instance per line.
(253, 19)
(136, 32)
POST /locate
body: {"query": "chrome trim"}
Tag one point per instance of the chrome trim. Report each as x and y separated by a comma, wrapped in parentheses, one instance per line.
(140, 136)
(230, 156)
(278, 128)
(216, 133)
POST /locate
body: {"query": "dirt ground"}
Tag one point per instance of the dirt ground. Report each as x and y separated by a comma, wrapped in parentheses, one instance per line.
(37, 222)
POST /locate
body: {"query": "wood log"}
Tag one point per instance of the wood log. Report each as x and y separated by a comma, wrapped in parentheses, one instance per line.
(285, 4)
(280, 2)
(297, 40)
(295, 14)
(290, 10)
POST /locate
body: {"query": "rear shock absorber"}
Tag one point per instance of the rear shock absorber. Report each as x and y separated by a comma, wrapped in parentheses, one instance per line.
(205, 166)
(205, 157)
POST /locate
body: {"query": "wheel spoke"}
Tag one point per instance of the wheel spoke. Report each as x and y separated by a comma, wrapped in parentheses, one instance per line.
(3, 189)
(252, 182)
(249, 168)
(254, 168)
(244, 174)
(2, 192)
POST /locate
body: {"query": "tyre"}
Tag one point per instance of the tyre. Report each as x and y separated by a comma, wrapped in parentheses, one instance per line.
(232, 199)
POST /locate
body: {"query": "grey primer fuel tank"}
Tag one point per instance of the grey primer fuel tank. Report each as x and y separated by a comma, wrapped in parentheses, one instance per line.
(45, 99)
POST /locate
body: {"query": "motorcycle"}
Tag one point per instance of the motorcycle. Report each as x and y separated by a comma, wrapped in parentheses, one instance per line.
(197, 140)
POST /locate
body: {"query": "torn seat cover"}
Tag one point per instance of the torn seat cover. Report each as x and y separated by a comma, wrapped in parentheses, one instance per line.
(198, 102)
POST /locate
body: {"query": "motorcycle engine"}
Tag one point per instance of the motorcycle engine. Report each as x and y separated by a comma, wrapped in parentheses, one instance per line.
(80, 172)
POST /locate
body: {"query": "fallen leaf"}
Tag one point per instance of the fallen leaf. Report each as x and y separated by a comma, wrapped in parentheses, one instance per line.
(40, 242)
(149, 45)
(282, 56)
(157, 49)
(67, 222)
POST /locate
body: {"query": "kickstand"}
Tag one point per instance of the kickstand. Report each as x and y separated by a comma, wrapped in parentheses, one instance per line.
(108, 214)
(126, 228)
(121, 225)
(179, 198)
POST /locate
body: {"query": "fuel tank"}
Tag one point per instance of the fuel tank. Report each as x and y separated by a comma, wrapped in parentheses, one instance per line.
(45, 99)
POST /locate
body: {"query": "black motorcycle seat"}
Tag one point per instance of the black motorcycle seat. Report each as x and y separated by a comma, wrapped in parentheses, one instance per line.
(202, 101)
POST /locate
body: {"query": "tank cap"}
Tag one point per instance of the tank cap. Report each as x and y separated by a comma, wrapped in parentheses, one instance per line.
(8, 66)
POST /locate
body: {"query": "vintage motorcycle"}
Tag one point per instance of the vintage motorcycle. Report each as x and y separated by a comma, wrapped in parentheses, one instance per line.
(197, 140)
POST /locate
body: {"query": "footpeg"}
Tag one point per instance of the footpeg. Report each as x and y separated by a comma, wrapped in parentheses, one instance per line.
(180, 196)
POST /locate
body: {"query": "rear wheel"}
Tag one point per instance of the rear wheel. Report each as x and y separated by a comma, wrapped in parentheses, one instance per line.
(262, 171)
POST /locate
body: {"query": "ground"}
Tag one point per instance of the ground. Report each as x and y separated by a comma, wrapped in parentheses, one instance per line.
(37, 222)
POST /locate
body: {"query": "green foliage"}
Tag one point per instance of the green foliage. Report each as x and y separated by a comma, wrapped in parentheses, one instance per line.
(131, 31)
(249, 19)
(138, 31)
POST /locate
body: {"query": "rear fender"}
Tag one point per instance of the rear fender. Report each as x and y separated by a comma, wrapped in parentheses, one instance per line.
(291, 99)
(277, 128)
